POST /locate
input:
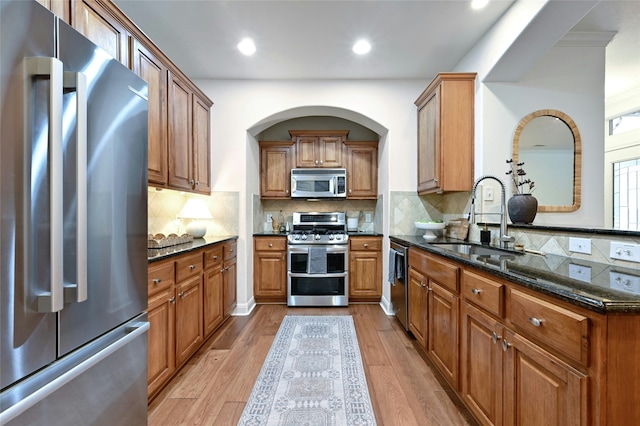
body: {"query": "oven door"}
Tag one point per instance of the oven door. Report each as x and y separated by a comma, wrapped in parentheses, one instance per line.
(328, 288)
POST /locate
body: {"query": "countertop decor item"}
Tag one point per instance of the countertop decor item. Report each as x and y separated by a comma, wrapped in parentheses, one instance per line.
(523, 206)
(431, 229)
(195, 209)
(313, 374)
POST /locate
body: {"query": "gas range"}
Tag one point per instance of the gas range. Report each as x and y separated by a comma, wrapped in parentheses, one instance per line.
(318, 228)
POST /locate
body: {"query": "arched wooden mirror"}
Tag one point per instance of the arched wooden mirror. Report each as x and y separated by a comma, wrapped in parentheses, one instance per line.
(549, 144)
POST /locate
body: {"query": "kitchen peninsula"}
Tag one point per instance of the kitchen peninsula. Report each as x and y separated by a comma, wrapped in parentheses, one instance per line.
(514, 332)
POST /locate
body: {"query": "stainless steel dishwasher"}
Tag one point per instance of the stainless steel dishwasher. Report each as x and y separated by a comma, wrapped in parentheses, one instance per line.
(398, 276)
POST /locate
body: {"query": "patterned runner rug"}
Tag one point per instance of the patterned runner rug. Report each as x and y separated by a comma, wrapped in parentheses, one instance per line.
(313, 375)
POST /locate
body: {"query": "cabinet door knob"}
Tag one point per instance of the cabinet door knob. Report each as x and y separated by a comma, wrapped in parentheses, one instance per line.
(286, 191)
(476, 291)
(535, 321)
(505, 345)
(157, 280)
(215, 257)
(495, 338)
(316, 162)
(191, 182)
(192, 267)
(270, 244)
(172, 300)
(366, 245)
(197, 184)
(321, 162)
(181, 295)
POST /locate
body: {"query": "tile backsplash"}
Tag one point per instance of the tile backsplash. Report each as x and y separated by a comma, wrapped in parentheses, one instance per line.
(163, 207)
(408, 207)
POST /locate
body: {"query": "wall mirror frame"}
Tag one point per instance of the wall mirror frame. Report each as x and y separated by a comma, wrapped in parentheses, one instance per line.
(577, 156)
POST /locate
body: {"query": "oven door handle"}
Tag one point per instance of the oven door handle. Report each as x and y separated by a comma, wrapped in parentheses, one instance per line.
(337, 275)
(330, 248)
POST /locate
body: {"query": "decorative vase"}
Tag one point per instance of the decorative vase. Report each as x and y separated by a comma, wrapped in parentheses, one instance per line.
(522, 208)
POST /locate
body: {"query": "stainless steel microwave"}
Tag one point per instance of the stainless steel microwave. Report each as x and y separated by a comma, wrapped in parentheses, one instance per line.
(319, 183)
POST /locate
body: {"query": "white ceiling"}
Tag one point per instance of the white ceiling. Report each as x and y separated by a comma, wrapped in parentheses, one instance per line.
(305, 39)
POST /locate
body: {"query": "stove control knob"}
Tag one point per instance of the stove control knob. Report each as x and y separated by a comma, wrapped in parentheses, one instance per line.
(338, 237)
(317, 237)
(331, 237)
(296, 237)
(304, 237)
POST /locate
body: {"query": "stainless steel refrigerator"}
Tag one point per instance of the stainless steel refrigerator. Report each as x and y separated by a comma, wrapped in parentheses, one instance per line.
(73, 204)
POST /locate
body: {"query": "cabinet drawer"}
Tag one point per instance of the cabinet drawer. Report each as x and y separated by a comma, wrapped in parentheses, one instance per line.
(213, 257)
(188, 266)
(444, 273)
(270, 243)
(483, 292)
(365, 243)
(160, 277)
(230, 250)
(557, 327)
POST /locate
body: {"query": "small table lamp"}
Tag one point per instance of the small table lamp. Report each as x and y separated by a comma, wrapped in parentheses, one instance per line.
(195, 209)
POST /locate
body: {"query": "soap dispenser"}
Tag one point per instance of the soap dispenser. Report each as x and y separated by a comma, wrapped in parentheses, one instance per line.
(485, 235)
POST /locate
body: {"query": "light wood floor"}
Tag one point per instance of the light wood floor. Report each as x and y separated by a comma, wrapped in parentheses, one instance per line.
(215, 385)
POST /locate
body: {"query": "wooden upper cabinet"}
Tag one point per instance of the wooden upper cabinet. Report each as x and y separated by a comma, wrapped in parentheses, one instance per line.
(101, 22)
(446, 134)
(189, 146)
(319, 148)
(201, 146)
(276, 160)
(149, 67)
(362, 169)
(61, 8)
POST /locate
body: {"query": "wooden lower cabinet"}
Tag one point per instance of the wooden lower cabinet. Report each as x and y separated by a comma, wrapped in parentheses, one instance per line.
(213, 291)
(434, 310)
(365, 269)
(162, 316)
(189, 333)
(188, 302)
(418, 301)
(509, 380)
(270, 269)
(230, 277)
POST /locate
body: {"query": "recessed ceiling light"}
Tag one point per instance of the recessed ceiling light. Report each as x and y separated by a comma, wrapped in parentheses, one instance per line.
(247, 47)
(479, 4)
(361, 47)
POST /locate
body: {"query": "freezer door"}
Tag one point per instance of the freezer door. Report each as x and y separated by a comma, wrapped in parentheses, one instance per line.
(104, 383)
(116, 190)
(27, 337)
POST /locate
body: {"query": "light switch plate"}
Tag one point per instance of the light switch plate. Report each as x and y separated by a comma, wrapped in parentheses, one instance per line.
(580, 245)
(367, 217)
(624, 251)
(488, 193)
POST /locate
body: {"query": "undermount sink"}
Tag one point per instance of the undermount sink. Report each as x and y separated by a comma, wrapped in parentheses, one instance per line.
(478, 250)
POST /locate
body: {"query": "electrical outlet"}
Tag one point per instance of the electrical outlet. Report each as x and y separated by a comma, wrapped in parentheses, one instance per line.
(488, 194)
(367, 217)
(580, 245)
(624, 282)
(624, 251)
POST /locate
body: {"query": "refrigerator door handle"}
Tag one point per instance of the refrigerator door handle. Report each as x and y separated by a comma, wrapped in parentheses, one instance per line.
(78, 292)
(134, 331)
(53, 300)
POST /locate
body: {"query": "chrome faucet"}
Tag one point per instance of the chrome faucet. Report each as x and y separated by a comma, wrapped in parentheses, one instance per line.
(504, 238)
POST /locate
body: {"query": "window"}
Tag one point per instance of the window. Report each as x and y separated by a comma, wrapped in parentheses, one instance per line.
(624, 123)
(626, 194)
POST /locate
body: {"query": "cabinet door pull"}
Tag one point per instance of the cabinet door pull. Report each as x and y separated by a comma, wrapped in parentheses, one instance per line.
(157, 280)
(505, 345)
(476, 291)
(495, 338)
(535, 321)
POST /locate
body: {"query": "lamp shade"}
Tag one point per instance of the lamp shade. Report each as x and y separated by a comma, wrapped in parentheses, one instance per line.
(195, 208)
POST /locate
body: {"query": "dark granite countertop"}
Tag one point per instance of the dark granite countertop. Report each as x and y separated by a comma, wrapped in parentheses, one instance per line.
(154, 255)
(284, 234)
(596, 286)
